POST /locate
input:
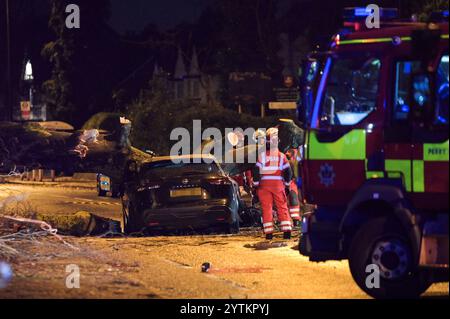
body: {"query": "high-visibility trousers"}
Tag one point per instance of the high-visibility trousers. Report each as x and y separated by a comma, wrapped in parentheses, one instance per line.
(269, 196)
(294, 201)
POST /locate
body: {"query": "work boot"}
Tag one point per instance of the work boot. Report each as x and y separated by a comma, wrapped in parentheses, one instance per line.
(269, 236)
(287, 235)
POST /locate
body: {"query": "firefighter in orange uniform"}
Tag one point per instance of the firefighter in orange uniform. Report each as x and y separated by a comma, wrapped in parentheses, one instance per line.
(294, 157)
(271, 176)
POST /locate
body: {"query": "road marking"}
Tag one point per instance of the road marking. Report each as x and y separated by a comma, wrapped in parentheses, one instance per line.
(97, 203)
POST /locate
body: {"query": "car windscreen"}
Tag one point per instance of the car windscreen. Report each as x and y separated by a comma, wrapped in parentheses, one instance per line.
(169, 168)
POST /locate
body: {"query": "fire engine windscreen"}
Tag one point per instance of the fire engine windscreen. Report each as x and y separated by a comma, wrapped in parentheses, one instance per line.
(351, 91)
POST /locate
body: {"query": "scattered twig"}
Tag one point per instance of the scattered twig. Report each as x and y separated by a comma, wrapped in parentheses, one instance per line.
(47, 229)
(15, 230)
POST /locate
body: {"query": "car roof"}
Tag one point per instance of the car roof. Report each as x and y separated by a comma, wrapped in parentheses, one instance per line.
(181, 157)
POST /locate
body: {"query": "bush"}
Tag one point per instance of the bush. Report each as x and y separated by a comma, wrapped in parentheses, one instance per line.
(155, 114)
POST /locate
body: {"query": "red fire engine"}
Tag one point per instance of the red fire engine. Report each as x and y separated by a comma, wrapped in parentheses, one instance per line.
(376, 154)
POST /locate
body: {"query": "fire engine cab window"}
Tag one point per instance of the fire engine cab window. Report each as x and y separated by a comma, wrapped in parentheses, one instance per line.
(442, 92)
(404, 72)
(351, 92)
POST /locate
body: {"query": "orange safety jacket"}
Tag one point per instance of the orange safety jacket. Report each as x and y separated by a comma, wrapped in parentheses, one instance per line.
(272, 170)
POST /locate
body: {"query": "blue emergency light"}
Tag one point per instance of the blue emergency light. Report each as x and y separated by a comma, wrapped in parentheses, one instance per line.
(361, 13)
(440, 16)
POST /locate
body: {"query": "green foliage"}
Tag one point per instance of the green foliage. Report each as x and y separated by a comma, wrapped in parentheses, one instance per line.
(81, 79)
(155, 114)
(431, 6)
(59, 89)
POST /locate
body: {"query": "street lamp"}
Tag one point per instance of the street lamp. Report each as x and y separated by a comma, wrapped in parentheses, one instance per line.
(28, 75)
(26, 106)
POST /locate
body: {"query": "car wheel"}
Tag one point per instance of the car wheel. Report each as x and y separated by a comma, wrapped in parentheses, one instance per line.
(234, 227)
(129, 219)
(251, 217)
(383, 244)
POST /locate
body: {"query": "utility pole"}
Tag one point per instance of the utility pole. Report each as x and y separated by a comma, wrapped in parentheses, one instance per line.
(8, 106)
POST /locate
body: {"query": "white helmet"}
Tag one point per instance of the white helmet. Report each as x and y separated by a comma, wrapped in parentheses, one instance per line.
(272, 132)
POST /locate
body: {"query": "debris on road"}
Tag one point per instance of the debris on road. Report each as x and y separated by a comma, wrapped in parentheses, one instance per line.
(265, 245)
(14, 230)
(22, 227)
(207, 268)
(12, 199)
(82, 224)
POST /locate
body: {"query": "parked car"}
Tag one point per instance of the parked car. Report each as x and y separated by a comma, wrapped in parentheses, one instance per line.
(106, 186)
(164, 196)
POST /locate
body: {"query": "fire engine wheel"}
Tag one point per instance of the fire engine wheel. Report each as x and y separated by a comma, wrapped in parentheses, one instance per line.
(381, 261)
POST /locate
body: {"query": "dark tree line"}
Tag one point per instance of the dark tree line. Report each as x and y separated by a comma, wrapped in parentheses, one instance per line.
(92, 69)
(83, 61)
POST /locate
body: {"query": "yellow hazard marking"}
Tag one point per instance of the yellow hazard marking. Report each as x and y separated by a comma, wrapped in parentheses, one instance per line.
(401, 168)
(351, 146)
(418, 177)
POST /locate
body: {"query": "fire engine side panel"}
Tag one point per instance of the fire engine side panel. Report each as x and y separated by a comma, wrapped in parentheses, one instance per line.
(335, 169)
(422, 166)
(425, 177)
(331, 182)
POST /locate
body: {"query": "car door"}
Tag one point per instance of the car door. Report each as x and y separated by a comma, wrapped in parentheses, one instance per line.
(430, 149)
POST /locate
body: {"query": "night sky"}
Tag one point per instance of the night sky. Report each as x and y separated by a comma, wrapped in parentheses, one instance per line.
(134, 15)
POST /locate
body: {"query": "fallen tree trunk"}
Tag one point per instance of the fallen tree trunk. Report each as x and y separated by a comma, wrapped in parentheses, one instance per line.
(81, 224)
(31, 146)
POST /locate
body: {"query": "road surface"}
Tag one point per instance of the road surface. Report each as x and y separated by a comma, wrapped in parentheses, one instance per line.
(61, 200)
(167, 267)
